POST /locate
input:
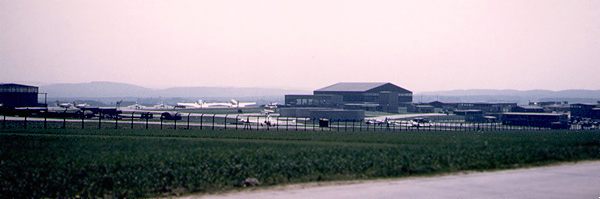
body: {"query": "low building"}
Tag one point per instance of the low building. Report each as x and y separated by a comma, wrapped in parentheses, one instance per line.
(557, 108)
(486, 108)
(423, 108)
(528, 109)
(471, 115)
(596, 113)
(583, 110)
(546, 120)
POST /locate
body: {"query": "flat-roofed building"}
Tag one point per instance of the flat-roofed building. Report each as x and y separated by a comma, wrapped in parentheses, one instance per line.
(485, 107)
(582, 110)
(528, 109)
(547, 120)
(18, 95)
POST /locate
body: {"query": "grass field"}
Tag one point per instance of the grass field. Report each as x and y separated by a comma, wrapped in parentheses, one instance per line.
(145, 163)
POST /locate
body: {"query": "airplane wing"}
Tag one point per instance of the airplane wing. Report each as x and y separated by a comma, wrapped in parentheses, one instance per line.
(190, 105)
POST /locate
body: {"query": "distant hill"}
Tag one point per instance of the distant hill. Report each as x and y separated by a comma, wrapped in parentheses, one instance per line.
(518, 96)
(113, 89)
(96, 89)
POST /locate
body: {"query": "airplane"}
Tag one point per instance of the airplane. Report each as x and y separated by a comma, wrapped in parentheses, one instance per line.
(268, 111)
(270, 108)
(82, 105)
(272, 105)
(376, 121)
(162, 106)
(201, 104)
(137, 106)
(237, 104)
(64, 105)
(265, 121)
(420, 122)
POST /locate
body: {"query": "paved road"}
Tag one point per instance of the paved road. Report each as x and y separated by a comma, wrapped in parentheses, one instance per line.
(580, 180)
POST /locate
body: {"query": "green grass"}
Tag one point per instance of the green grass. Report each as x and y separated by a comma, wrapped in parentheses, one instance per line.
(54, 163)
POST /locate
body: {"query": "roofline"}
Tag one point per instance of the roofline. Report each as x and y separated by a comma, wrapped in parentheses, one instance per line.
(14, 84)
(380, 84)
(520, 113)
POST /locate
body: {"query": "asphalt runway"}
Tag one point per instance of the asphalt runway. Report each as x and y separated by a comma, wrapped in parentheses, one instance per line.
(569, 180)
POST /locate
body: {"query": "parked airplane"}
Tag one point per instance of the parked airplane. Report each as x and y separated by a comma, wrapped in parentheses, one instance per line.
(82, 105)
(266, 121)
(376, 121)
(162, 106)
(64, 105)
(237, 104)
(272, 105)
(270, 108)
(137, 106)
(201, 104)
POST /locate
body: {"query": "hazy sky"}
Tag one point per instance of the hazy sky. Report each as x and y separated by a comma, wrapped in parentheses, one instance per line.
(422, 45)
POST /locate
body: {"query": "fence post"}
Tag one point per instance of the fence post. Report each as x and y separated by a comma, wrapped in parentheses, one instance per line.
(25, 121)
(82, 119)
(257, 123)
(277, 123)
(45, 120)
(360, 125)
(188, 121)
(296, 123)
(247, 125)
(287, 122)
(100, 120)
(64, 126)
(305, 120)
(237, 120)
(201, 118)
(375, 127)
(267, 122)
(175, 123)
(116, 122)
(226, 121)
(147, 118)
(213, 121)
(161, 122)
(132, 119)
(345, 125)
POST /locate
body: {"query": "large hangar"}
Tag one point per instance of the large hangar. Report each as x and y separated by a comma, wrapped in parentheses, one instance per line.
(369, 96)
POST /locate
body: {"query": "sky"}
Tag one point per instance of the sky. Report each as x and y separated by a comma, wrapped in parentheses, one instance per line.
(425, 45)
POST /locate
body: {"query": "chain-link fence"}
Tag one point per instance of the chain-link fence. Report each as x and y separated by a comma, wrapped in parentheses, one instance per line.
(174, 120)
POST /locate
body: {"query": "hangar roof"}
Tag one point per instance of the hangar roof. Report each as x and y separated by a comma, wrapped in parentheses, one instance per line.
(355, 87)
(15, 85)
